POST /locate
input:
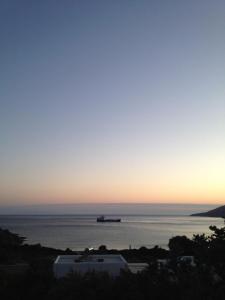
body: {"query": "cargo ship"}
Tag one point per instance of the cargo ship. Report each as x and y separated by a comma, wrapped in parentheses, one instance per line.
(102, 219)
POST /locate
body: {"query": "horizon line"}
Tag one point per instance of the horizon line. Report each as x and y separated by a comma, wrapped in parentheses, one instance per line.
(113, 203)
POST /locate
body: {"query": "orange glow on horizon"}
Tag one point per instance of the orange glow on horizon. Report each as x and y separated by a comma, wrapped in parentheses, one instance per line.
(194, 182)
(132, 195)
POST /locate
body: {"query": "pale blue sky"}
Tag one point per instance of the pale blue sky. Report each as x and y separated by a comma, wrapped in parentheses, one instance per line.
(92, 91)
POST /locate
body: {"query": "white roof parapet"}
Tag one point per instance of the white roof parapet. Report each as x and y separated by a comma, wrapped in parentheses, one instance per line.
(113, 264)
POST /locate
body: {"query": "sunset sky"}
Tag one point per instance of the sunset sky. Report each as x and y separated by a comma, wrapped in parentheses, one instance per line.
(112, 101)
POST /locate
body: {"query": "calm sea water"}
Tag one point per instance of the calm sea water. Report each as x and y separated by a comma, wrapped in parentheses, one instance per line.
(150, 226)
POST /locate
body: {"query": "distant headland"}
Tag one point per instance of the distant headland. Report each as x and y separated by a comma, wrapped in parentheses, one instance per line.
(218, 212)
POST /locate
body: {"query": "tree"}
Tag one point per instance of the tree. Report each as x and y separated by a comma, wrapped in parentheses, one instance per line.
(218, 233)
(9, 244)
(102, 248)
(181, 245)
(9, 239)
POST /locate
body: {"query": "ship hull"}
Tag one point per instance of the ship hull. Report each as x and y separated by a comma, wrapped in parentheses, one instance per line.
(109, 221)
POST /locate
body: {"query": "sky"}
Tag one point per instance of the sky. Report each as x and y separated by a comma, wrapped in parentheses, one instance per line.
(112, 101)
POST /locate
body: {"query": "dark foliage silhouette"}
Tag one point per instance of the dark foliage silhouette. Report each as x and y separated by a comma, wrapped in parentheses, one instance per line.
(205, 280)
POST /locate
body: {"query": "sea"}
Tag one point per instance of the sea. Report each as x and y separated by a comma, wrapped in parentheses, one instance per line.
(75, 226)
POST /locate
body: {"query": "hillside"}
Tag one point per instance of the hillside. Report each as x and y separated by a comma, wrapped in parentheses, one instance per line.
(218, 212)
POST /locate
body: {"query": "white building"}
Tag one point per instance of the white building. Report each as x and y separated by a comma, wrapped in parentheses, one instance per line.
(162, 263)
(188, 260)
(112, 264)
(136, 268)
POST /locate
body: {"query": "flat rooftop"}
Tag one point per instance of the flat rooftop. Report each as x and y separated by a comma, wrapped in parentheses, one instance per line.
(89, 258)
